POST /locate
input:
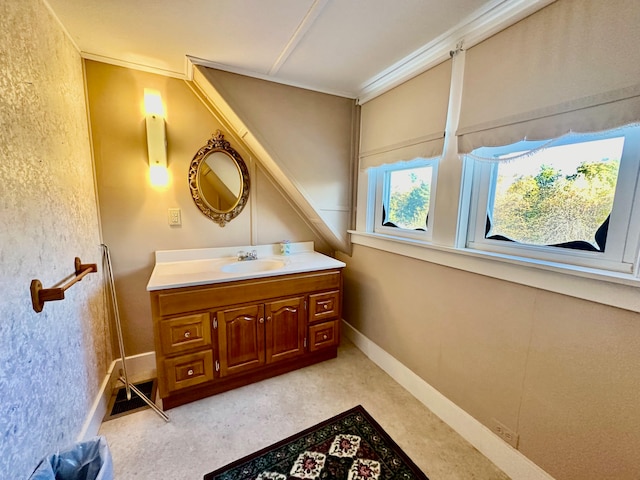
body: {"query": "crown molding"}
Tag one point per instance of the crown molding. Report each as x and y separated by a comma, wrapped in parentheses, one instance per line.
(270, 78)
(486, 21)
(481, 24)
(134, 66)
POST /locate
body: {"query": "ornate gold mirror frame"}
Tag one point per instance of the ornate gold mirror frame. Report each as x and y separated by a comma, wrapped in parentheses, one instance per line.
(200, 167)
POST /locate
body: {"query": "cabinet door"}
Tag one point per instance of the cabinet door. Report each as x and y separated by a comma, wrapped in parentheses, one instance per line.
(241, 339)
(285, 320)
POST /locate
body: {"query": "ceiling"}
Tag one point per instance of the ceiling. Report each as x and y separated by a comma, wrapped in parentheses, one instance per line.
(344, 47)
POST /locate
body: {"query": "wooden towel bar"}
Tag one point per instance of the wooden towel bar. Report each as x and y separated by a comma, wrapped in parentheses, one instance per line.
(40, 295)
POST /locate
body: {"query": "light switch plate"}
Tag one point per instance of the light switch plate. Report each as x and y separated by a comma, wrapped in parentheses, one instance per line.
(175, 217)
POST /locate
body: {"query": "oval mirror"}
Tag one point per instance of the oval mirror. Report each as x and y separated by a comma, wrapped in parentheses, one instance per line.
(219, 180)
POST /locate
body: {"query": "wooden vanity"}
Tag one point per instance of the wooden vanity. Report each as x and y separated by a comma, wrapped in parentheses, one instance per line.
(214, 337)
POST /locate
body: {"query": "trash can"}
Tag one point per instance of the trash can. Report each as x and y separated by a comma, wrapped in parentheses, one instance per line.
(90, 460)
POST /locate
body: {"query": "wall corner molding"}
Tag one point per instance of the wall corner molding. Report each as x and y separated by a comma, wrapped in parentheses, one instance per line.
(61, 25)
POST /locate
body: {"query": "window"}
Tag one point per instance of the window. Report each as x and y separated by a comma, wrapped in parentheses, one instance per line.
(570, 225)
(403, 194)
(568, 200)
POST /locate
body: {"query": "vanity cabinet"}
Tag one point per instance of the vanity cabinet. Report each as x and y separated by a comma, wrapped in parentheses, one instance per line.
(212, 338)
(250, 336)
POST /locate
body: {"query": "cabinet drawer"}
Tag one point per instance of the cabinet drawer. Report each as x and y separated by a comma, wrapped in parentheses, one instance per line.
(324, 306)
(185, 333)
(323, 335)
(189, 370)
(190, 299)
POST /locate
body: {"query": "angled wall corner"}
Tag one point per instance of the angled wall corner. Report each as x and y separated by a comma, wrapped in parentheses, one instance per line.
(304, 140)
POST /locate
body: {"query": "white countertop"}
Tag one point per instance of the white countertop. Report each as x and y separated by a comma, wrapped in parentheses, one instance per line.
(187, 268)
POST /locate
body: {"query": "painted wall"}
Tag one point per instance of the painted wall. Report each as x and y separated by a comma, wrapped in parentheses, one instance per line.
(51, 363)
(561, 372)
(135, 215)
(308, 134)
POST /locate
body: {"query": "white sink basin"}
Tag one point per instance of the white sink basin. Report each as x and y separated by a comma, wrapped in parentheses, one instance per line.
(205, 266)
(252, 266)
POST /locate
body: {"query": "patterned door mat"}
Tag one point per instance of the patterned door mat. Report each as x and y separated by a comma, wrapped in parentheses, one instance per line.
(349, 446)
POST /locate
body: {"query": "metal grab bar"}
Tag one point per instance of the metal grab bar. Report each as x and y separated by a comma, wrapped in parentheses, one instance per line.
(41, 295)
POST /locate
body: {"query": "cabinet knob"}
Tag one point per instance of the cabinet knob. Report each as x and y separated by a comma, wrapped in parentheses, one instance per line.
(187, 334)
(269, 319)
(190, 372)
(326, 305)
(324, 337)
(261, 320)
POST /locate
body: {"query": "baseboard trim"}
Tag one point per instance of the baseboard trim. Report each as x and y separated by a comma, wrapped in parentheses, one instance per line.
(139, 367)
(508, 459)
(505, 457)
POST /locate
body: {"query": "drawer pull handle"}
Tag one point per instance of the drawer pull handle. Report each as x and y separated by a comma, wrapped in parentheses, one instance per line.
(325, 306)
(187, 334)
(190, 372)
(324, 337)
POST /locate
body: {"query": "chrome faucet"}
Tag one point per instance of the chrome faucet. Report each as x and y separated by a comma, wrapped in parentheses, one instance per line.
(244, 256)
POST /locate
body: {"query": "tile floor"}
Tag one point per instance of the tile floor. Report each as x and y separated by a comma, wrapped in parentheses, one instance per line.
(205, 435)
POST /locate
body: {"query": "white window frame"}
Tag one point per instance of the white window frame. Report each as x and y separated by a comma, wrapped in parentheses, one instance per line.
(621, 253)
(378, 190)
(448, 245)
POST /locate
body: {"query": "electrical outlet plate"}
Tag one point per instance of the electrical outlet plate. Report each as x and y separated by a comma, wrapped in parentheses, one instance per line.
(505, 433)
(175, 216)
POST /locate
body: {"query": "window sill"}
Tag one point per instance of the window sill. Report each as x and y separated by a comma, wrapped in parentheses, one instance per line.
(601, 286)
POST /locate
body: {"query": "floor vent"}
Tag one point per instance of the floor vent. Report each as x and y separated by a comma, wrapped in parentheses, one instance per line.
(119, 405)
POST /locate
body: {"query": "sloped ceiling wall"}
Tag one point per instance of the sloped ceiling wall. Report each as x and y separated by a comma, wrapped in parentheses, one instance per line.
(303, 139)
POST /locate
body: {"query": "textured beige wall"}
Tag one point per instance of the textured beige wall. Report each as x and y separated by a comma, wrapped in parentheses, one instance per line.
(134, 214)
(561, 371)
(51, 363)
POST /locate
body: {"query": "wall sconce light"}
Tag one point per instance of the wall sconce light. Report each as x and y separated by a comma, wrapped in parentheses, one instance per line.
(156, 138)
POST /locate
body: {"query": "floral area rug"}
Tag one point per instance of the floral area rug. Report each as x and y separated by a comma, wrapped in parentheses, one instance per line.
(349, 446)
